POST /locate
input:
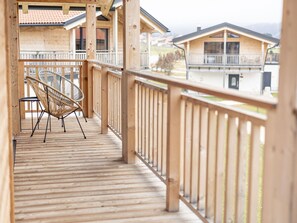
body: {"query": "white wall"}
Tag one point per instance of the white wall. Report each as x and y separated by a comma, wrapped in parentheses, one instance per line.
(214, 79)
(274, 69)
(249, 82)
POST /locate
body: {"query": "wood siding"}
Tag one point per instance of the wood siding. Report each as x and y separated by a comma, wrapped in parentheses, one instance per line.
(45, 39)
(248, 45)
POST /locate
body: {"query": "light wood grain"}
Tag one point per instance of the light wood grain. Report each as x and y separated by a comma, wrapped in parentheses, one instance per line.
(88, 182)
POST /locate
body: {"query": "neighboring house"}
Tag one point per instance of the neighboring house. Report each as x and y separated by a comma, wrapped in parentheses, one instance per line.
(46, 32)
(228, 56)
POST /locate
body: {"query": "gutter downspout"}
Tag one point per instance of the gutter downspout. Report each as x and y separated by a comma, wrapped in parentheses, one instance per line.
(187, 68)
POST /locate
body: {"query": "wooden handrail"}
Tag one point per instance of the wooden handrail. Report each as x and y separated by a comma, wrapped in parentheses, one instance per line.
(50, 60)
(106, 65)
(266, 103)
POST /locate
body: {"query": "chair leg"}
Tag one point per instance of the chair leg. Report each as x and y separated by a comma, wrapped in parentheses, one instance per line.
(63, 124)
(37, 123)
(48, 118)
(80, 126)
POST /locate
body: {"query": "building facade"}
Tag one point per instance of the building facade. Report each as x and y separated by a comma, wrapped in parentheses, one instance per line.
(228, 56)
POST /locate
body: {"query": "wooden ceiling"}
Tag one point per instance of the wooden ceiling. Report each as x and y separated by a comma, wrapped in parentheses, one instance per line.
(104, 5)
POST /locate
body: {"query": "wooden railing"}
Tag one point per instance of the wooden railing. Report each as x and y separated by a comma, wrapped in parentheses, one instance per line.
(208, 155)
(217, 154)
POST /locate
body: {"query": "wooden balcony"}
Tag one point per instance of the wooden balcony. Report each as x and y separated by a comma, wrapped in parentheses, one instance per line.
(209, 155)
(70, 179)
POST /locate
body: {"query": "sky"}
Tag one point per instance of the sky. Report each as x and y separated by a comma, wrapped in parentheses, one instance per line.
(184, 16)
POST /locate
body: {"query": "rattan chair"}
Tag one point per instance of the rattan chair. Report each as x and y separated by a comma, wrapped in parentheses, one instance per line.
(55, 103)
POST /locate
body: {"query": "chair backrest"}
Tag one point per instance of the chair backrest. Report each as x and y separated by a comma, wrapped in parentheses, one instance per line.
(61, 84)
(54, 102)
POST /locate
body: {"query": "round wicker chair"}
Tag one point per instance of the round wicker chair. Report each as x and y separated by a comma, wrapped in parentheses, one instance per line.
(55, 103)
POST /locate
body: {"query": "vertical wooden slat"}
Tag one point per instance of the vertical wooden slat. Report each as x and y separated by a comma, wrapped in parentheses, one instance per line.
(202, 158)
(254, 211)
(173, 149)
(182, 143)
(211, 164)
(104, 100)
(85, 86)
(159, 132)
(21, 83)
(195, 152)
(231, 164)
(220, 166)
(164, 133)
(187, 149)
(155, 127)
(242, 172)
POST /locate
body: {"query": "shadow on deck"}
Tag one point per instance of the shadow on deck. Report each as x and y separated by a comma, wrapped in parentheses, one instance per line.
(69, 179)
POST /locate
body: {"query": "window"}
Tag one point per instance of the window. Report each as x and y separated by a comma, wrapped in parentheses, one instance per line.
(101, 39)
(232, 48)
(213, 48)
(232, 35)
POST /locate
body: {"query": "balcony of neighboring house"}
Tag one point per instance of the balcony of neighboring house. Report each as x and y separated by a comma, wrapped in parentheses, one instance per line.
(225, 61)
(104, 56)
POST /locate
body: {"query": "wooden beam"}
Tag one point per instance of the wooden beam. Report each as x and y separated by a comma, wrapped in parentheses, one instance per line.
(91, 52)
(13, 52)
(280, 178)
(7, 10)
(104, 5)
(173, 149)
(65, 9)
(131, 61)
(97, 2)
(25, 8)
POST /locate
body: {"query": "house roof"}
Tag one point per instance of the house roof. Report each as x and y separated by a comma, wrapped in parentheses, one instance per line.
(162, 27)
(228, 26)
(55, 17)
(46, 17)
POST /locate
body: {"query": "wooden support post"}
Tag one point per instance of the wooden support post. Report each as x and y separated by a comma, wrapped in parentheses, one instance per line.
(21, 77)
(104, 100)
(280, 166)
(13, 52)
(173, 149)
(8, 77)
(91, 54)
(115, 36)
(131, 61)
(225, 47)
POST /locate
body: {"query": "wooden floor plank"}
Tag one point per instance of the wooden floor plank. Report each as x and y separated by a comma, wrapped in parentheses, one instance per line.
(69, 179)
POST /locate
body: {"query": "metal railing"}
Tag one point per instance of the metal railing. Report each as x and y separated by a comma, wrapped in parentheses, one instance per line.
(225, 60)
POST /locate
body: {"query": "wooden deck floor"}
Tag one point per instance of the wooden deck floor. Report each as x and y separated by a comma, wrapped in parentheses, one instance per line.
(70, 179)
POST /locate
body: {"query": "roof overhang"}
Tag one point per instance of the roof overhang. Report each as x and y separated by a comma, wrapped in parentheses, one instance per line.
(78, 20)
(222, 29)
(147, 18)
